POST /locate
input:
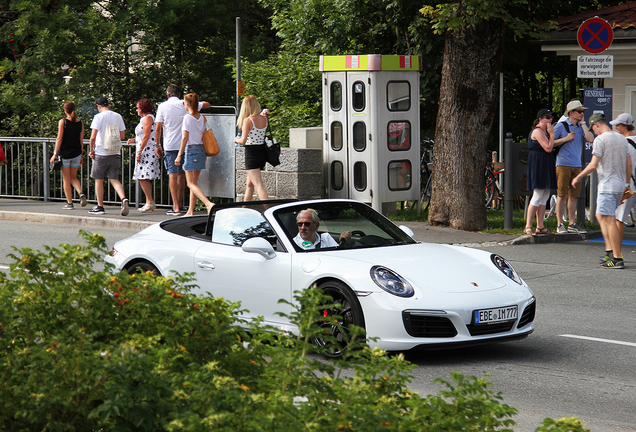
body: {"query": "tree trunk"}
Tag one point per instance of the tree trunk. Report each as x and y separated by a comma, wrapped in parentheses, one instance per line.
(467, 107)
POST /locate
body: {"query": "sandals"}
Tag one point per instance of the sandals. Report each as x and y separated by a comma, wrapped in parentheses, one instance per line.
(528, 231)
(147, 208)
(543, 230)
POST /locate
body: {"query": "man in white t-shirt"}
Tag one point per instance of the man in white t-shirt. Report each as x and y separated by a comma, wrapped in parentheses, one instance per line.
(308, 223)
(106, 165)
(169, 120)
(624, 125)
(614, 169)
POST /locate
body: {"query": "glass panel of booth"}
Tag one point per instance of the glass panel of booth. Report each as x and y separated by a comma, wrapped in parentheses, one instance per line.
(400, 175)
(360, 176)
(336, 136)
(337, 175)
(336, 95)
(359, 136)
(399, 135)
(398, 95)
(358, 99)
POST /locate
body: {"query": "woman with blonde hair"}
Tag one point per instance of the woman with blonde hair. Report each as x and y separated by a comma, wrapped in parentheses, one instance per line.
(192, 145)
(253, 124)
(70, 146)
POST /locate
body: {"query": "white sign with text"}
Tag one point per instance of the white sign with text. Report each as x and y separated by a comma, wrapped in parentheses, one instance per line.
(595, 66)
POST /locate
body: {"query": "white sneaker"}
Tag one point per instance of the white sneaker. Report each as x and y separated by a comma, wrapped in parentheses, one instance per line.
(124, 207)
(561, 229)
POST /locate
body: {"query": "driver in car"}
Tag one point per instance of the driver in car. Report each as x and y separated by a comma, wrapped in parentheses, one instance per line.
(308, 223)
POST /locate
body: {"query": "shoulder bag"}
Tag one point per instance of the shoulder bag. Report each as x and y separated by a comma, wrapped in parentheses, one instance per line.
(272, 148)
(209, 140)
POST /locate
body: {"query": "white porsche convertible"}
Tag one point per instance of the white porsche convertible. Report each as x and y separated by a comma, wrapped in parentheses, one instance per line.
(405, 293)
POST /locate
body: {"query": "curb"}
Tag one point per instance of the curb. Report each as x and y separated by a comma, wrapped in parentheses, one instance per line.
(539, 239)
(74, 220)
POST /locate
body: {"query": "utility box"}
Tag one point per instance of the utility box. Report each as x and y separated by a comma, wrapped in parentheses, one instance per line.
(371, 127)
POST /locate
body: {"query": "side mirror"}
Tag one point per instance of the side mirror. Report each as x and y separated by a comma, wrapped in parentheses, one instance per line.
(260, 246)
(407, 230)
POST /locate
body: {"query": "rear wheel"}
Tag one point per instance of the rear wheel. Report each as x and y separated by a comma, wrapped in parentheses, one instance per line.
(142, 267)
(348, 311)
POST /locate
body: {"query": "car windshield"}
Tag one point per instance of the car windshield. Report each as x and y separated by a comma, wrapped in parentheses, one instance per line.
(344, 225)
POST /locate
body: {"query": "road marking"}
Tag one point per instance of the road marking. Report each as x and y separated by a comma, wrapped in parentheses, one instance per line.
(600, 340)
(625, 242)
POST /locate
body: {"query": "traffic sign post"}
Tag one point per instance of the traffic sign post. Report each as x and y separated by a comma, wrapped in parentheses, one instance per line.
(595, 35)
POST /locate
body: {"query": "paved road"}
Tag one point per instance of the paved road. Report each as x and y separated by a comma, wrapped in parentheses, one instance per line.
(579, 361)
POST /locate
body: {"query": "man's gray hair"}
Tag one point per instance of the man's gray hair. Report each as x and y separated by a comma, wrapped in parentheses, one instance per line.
(173, 90)
(314, 215)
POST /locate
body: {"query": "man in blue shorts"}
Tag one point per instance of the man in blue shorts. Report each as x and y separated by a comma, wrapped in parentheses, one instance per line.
(169, 120)
(614, 169)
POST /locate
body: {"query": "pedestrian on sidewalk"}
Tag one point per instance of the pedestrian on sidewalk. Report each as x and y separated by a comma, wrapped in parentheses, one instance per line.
(146, 160)
(570, 136)
(624, 124)
(69, 145)
(541, 172)
(614, 168)
(193, 152)
(169, 121)
(253, 123)
(106, 165)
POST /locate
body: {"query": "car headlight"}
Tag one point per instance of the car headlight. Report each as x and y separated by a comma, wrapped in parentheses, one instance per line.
(506, 268)
(391, 282)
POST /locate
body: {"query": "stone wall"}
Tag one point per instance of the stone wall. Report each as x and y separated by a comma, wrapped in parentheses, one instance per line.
(299, 174)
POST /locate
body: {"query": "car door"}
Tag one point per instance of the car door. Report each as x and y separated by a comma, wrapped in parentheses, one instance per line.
(223, 269)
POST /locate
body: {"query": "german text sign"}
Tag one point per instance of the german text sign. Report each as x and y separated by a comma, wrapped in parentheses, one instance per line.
(595, 66)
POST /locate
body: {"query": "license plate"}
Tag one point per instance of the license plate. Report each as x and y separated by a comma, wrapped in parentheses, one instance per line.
(491, 316)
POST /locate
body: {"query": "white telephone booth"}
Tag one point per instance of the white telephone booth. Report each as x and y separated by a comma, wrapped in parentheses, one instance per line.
(371, 122)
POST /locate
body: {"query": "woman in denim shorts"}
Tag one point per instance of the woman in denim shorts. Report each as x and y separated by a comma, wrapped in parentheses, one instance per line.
(70, 146)
(195, 157)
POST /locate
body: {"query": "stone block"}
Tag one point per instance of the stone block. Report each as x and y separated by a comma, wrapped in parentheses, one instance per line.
(305, 138)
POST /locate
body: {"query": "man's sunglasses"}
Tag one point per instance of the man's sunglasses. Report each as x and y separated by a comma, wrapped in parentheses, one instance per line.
(302, 224)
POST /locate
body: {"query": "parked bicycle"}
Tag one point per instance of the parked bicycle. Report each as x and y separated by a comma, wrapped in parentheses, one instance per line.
(494, 194)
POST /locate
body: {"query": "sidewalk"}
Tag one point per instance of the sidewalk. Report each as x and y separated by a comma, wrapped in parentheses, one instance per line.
(51, 212)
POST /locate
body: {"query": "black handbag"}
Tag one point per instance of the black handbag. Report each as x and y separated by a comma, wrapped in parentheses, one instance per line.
(272, 148)
(57, 165)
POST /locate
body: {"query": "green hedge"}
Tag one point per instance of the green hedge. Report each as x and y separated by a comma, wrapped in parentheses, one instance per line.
(85, 350)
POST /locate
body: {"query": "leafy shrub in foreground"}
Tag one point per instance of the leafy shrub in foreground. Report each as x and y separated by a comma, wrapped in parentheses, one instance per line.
(85, 350)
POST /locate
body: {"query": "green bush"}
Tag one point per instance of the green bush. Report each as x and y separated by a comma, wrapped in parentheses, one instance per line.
(86, 350)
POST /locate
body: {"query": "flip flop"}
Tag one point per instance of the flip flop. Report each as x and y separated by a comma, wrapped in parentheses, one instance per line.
(543, 230)
(528, 231)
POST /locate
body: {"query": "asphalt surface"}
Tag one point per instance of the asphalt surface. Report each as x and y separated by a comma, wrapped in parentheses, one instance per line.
(51, 212)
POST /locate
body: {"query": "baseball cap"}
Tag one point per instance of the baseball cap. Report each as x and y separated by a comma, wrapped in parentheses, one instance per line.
(102, 101)
(596, 118)
(575, 104)
(624, 118)
(544, 112)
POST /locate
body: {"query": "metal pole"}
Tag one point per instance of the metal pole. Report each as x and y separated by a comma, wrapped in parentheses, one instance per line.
(45, 165)
(238, 62)
(508, 198)
(501, 132)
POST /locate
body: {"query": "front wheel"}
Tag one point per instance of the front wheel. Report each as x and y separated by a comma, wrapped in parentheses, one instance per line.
(142, 267)
(344, 312)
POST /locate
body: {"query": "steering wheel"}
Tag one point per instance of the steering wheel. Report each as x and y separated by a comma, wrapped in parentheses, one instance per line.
(358, 233)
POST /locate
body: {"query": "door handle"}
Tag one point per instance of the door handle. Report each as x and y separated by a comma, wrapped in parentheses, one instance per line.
(205, 265)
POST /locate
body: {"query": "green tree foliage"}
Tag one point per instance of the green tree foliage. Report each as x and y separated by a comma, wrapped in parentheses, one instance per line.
(308, 29)
(91, 350)
(124, 49)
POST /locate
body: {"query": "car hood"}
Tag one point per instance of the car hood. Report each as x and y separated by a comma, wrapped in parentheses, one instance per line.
(443, 268)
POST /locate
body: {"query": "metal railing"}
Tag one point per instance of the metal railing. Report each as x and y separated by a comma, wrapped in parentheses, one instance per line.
(28, 175)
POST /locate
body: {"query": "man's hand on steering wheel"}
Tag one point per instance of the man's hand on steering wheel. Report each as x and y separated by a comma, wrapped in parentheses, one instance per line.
(345, 238)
